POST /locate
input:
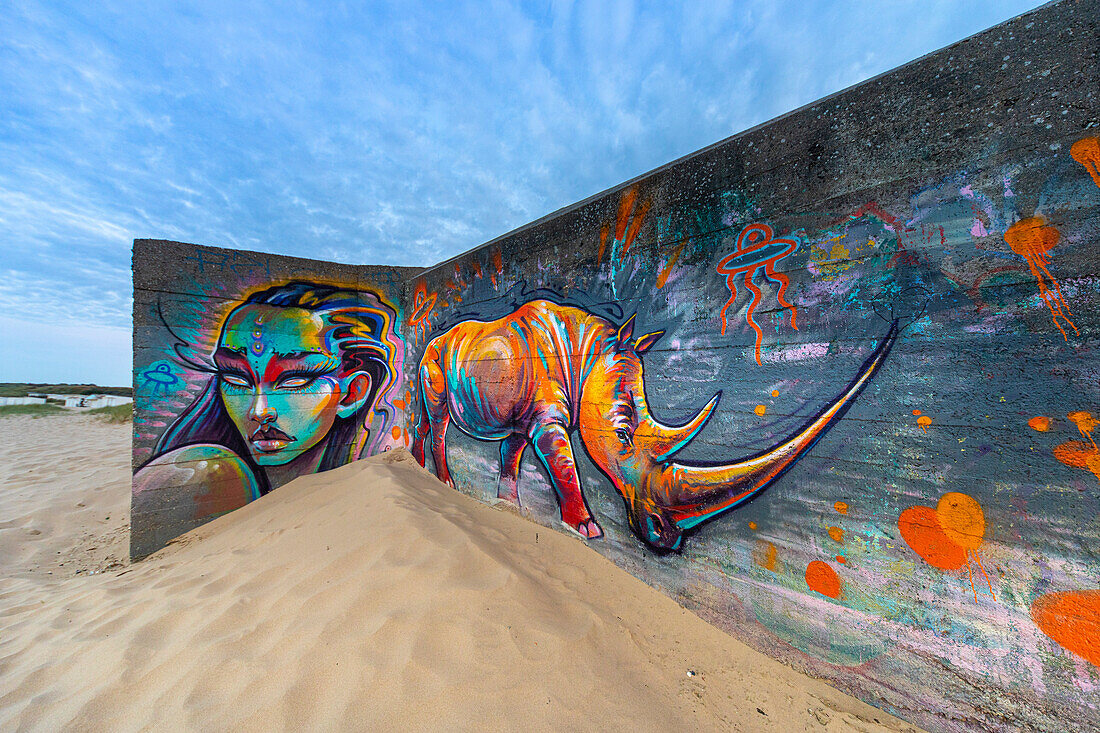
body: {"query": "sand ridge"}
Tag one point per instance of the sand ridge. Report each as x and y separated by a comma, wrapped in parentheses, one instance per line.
(374, 597)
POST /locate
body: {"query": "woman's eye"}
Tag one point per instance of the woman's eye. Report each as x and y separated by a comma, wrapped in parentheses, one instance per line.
(295, 382)
(235, 380)
(624, 436)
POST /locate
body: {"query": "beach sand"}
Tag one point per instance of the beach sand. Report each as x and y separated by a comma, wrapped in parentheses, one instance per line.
(371, 597)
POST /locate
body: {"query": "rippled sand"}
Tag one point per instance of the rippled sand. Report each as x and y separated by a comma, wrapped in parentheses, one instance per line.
(370, 598)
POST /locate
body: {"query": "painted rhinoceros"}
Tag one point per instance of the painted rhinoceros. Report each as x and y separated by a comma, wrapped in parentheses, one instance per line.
(546, 370)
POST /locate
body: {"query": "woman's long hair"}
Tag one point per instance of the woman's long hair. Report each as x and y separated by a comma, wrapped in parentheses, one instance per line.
(367, 343)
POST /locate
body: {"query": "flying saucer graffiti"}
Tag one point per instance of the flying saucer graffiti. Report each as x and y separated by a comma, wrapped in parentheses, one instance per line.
(758, 251)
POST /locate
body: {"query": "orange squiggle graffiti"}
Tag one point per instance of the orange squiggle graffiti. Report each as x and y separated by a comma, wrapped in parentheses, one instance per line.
(758, 250)
(1032, 239)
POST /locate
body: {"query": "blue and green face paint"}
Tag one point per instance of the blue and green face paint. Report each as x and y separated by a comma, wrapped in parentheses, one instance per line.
(281, 380)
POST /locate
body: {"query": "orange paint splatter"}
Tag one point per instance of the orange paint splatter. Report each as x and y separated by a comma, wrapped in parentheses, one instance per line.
(948, 536)
(1085, 423)
(1039, 423)
(396, 433)
(921, 530)
(842, 560)
(1086, 151)
(837, 534)
(1078, 454)
(916, 412)
(1032, 239)
(399, 404)
(752, 526)
(822, 578)
(775, 393)
(667, 270)
(1072, 619)
(924, 421)
(760, 410)
(765, 555)
(962, 519)
(1074, 453)
(841, 507)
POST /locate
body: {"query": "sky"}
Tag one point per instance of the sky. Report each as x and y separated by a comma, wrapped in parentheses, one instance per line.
(391, 133)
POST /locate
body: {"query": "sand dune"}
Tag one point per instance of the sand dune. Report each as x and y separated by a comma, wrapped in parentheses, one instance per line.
(370, 597)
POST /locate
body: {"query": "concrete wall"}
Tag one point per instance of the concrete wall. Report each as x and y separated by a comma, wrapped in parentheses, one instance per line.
(313, 362)
(895, 292)
(935, 549)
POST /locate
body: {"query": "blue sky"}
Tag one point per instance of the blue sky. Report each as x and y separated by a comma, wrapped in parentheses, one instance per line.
(399, 133)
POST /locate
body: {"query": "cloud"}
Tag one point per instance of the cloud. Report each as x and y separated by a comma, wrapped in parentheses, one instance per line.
(403, 133)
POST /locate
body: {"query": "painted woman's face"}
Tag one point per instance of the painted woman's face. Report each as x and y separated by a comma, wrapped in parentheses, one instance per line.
(279, 374)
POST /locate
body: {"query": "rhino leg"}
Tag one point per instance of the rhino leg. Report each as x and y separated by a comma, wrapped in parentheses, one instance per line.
(552, 446)
(511, 454)
(433, 393)
(420, 430)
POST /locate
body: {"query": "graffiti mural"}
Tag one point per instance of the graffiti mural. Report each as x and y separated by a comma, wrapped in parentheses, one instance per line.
(898, 489)
(545, 371)
(287, 378)
(894, 295)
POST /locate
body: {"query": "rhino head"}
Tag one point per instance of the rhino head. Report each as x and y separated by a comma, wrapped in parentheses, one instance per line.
(664, 498)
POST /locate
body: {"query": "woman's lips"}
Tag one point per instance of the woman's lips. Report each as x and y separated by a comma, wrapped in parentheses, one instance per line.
(270, 446)
(270, 439)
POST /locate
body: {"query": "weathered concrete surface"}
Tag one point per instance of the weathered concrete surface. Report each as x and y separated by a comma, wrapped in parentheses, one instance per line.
(183, 297)
(932, 546)
(899, 195)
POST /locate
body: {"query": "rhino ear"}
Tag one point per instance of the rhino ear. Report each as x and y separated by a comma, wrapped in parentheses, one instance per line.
(647, 342)
(626, 331)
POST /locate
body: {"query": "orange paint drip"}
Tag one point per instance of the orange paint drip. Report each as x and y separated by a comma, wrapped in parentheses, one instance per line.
(1072, 620)
(626, 205)
(924, 421)
(1032, 239)
(498, 266)
(604, 231)
(760, 410)
(916, 412)
(1086, 151)
(775, 393)
(822, 578)
(663, 277)
(837, 534)
(1039, 423)
(842, 560)
(752, 526)
(635, 225)
(841, 507)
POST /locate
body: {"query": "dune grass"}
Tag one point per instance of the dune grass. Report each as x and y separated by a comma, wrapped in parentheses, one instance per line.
(33, 410)
(114, 414)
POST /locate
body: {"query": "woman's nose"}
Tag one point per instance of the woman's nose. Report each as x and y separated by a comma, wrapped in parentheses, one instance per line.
(262, 410)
